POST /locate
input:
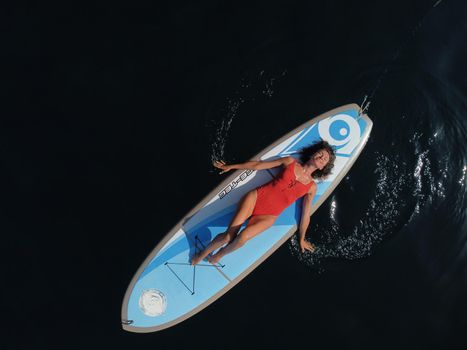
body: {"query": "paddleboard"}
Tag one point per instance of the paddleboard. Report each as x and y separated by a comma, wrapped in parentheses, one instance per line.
(167, 290)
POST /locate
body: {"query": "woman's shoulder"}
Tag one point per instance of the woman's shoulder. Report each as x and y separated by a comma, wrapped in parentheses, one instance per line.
(286, 161)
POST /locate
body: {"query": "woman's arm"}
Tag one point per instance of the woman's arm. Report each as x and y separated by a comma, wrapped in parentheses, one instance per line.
(253, 164)
(305, 220)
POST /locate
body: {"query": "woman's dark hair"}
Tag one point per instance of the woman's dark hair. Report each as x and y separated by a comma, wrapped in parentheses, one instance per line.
(307, 152)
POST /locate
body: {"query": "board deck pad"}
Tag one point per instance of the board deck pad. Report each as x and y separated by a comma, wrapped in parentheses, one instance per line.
(180, 290)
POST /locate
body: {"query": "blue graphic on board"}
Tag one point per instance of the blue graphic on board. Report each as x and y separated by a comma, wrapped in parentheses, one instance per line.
(343, 131)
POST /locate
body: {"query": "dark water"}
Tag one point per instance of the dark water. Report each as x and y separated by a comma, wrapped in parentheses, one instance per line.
(92, 179)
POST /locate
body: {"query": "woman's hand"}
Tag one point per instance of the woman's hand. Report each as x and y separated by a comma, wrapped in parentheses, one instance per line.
(221, 165)
(305, 245)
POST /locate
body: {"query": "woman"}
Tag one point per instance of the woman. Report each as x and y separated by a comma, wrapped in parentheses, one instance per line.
(264, 204)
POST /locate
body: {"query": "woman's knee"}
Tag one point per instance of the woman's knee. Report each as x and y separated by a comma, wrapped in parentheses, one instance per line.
(242, 238)
(231, 236)
(223, 238)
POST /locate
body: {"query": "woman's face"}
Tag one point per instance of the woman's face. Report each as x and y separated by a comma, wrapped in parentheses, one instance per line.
(321, 158)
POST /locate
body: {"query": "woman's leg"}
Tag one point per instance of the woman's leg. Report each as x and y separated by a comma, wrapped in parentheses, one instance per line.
(244, 210)
(256, 225)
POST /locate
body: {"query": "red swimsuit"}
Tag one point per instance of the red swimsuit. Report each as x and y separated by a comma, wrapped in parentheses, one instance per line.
(276, 195)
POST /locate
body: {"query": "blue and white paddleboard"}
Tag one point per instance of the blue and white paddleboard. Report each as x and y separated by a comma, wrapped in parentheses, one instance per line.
(166, 289)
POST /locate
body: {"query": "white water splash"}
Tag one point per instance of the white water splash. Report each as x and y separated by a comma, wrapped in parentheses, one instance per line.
(462, 179)
(379, 219)
(263, 85)
(332, 214)
(222, 132)
(394, 180)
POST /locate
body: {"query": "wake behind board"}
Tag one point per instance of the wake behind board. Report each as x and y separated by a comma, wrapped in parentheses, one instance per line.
(166, 289)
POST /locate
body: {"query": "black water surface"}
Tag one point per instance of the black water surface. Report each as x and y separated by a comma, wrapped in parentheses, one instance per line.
(113, 111)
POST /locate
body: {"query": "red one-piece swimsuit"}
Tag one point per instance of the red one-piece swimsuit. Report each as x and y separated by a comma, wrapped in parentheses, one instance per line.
(276, 195)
